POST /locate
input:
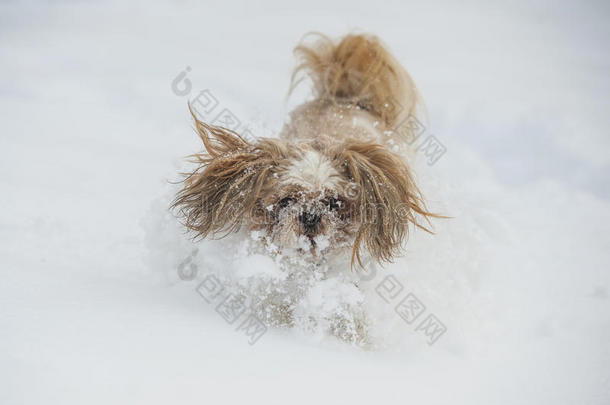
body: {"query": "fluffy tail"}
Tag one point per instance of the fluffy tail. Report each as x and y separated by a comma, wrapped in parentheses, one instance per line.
(360, 71)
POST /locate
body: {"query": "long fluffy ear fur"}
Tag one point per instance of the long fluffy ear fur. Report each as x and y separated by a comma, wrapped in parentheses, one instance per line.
(359, 71)
(389, 200)
(229, 178)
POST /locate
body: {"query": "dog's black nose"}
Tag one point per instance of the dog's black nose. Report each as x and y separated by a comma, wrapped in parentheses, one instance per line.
(309, 220)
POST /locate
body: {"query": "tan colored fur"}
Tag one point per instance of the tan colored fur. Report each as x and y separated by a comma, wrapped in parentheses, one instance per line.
(358, 71)
(355, 81)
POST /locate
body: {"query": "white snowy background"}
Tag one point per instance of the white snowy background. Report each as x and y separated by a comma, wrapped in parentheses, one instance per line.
(92, 132)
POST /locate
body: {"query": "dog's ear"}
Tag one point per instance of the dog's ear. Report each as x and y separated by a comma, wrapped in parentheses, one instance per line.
(388, 199)
(229, 178)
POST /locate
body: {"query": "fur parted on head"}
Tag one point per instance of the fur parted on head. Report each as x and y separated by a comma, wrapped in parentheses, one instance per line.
(329, 183)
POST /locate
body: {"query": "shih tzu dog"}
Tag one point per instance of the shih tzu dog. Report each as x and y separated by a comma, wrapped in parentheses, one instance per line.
(335, 182)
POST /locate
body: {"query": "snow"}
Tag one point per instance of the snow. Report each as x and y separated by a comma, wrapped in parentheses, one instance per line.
(99, 300)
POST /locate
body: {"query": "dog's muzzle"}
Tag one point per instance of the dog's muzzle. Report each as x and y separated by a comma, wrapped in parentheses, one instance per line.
(310, 221)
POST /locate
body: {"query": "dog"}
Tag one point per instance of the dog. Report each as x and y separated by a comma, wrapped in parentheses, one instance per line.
(336, 181)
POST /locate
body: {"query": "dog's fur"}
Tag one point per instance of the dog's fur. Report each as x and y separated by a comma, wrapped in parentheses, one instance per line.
(331, 181)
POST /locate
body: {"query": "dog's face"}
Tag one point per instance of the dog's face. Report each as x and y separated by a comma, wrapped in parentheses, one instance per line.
(311, 206)
(317, 198)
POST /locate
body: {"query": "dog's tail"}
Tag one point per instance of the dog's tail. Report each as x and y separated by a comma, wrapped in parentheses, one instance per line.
(358, 71)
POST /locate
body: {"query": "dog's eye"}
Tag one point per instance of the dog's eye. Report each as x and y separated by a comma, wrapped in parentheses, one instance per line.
(284, 202)
(334, 204)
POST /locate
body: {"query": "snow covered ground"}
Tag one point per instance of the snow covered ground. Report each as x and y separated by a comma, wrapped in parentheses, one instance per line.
(92, 309)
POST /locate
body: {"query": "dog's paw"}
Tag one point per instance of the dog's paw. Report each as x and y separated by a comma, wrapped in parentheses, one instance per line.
(350, 328)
